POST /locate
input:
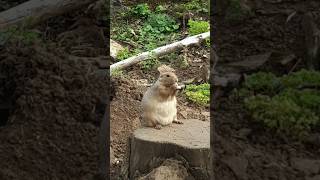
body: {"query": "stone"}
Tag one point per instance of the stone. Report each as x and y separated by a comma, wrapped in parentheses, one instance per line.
(170, 169)
(252, 62)
(115, 48)
(190, 140)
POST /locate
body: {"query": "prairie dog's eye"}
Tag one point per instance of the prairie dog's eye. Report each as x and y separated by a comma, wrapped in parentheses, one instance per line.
(168, 75)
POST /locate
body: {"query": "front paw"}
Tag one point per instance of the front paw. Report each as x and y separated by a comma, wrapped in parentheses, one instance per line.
(177, 122)
(158, 127)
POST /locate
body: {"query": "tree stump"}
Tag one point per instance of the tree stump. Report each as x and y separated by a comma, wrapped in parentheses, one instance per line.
(191, 140)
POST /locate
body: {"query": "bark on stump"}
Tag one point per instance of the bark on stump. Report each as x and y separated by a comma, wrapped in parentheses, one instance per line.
(190, 140)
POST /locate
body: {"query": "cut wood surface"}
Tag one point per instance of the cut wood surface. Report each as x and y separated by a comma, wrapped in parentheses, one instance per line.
(36, 11)
(160, 51)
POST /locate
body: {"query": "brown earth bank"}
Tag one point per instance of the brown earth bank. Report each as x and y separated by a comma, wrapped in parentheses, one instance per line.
(242, 149)
(49, 96)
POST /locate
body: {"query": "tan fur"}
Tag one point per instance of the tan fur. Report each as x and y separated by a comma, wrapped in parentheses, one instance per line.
(159, 103)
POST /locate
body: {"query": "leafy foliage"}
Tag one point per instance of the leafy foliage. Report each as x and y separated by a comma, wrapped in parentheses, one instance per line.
(282, 114)
(123, 54)
(160, 9)
(198, 27)
(155, 29)
(199, 94)
(263, 83)
(160, 23)
(149, 63)
(142, 10)
(197, 6)
(15, 34)
(301, 79)
(117, 73)
(282, 103)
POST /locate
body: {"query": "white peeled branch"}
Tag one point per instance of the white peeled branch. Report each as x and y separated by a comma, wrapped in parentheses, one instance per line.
(160, 51)
(36, 11)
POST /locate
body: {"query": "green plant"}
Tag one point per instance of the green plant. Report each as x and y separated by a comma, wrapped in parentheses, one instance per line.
(123, 54)
(160, 9)
(302, 78)
(207, 43)
(282, 114)
(156, 29)
(149, 63)
(20, 35)
(263, 83)
(200, 94)
(141, 10)
(197, 5)
(287, 104)
(160, 23)
(117, 73)
(198, 27)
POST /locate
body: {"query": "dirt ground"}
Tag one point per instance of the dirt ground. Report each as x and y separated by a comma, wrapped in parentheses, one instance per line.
(243, 150)
(52, 128)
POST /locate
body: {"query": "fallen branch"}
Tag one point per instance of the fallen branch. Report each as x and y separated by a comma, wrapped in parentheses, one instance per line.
(35, 11)
(160, 51)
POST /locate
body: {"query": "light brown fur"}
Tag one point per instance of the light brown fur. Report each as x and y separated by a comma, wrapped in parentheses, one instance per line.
(159, 102)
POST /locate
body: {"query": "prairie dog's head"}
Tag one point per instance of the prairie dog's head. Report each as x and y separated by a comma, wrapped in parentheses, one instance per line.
(167, 76)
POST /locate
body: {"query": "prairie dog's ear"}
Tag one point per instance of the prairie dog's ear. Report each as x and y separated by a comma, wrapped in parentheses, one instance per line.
(164, 68)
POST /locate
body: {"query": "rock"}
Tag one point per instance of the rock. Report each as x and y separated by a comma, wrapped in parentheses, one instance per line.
(115, 48)
(190, 140)
(238, 165)
(251, 62)
(227, 80)
(170, 169)
(308, 166)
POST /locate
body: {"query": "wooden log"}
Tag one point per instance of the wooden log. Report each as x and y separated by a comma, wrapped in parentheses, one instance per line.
(35, 11)
(160, 51)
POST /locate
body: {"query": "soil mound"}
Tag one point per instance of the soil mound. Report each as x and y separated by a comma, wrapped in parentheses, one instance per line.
(52, 128)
